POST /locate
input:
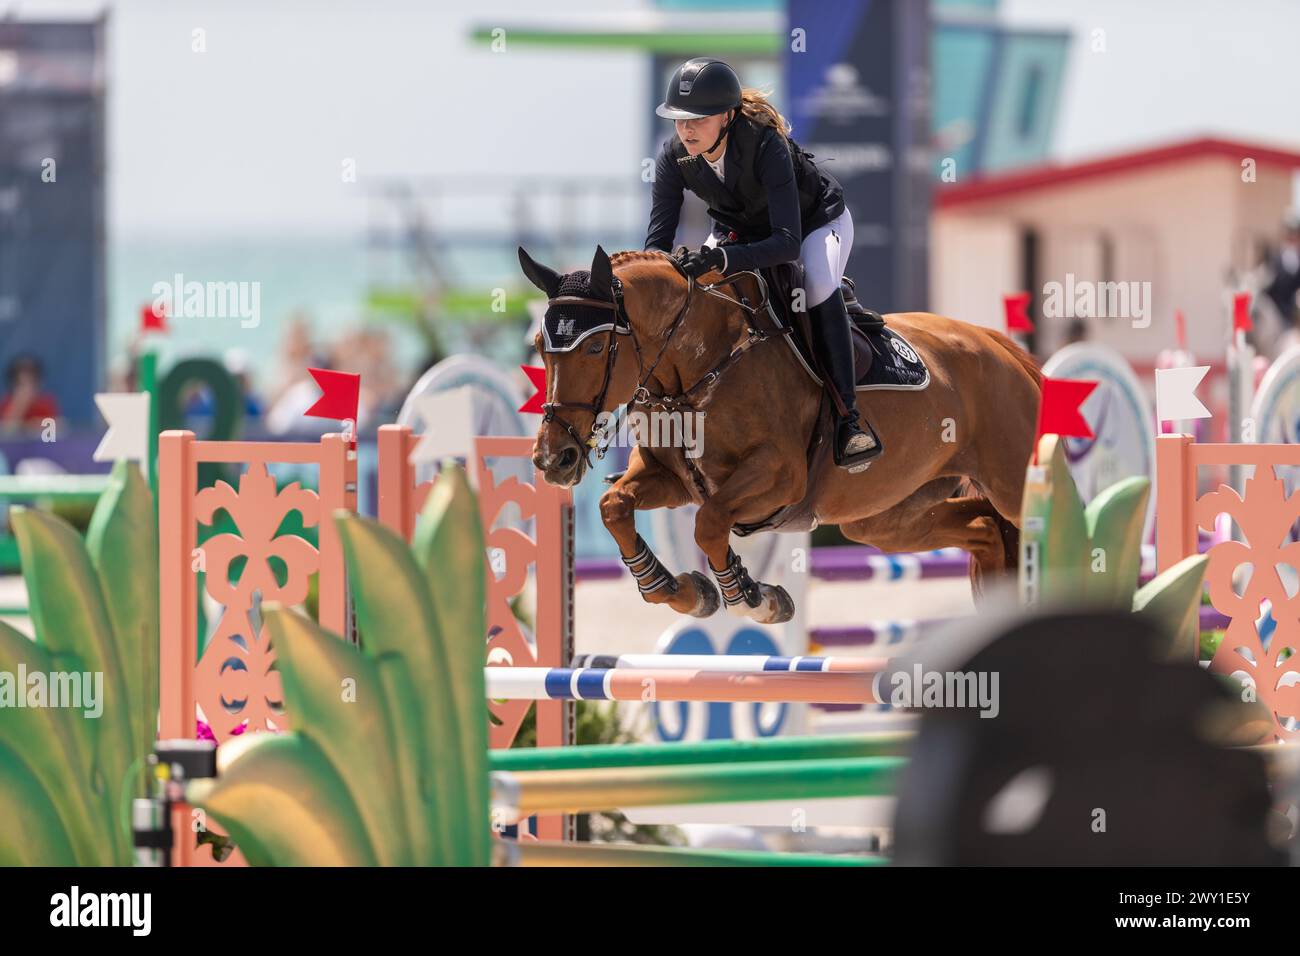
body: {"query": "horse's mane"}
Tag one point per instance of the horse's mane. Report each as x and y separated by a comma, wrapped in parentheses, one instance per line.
(649, 266)
(653, 265)
(637, 255)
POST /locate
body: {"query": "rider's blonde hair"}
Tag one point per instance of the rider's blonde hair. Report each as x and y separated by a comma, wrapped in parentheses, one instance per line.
(754, 104)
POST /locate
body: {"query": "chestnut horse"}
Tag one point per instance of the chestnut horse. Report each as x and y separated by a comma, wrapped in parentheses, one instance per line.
(955, 451)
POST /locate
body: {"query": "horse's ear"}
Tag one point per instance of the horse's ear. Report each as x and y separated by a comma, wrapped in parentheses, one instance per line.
(602, 276)
(548, 280)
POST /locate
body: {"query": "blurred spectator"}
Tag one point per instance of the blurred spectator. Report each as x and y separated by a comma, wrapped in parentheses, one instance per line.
(367, 352)
(296, 390)
(1285, 267)
(26, 406)
(296, 354)
(236, 363)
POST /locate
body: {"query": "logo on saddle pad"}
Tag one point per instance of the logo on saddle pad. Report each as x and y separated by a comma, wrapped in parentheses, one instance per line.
(896, 366)
(904, 350)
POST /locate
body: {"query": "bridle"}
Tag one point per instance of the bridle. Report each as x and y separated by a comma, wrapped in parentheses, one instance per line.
(693, 398)
(622, 325)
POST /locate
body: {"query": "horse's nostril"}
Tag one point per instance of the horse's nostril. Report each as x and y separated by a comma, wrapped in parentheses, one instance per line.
(567, 458)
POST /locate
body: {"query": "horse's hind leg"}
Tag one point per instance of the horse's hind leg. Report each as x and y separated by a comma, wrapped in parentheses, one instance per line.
(1003, 484)
(928, 519)
(1010, 533)
(647, 485)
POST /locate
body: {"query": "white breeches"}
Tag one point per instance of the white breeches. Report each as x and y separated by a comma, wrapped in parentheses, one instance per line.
(824, 254)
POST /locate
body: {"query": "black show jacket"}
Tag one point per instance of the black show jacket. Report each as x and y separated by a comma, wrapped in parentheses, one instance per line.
(773, 196)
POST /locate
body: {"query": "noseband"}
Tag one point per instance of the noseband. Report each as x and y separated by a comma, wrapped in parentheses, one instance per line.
(643, 395)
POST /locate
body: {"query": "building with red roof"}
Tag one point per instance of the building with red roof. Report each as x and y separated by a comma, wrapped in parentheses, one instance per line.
(1189, 218)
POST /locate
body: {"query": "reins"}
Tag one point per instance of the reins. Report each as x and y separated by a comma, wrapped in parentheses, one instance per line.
(688, 399)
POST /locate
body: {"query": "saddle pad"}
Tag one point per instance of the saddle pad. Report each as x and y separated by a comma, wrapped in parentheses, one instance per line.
(894, 364)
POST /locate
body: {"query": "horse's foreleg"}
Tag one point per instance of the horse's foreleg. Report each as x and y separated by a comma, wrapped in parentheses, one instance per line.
(647, 485)
(760, 480)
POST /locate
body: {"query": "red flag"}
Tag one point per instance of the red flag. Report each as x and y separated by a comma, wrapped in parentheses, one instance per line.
(1058, 411)
(1241, 313)
(1016, 307)
(340, 395)
(1180, 330)
(153, 320)
(537, 376)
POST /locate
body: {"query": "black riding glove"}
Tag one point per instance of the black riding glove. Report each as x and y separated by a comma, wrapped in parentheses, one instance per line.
(708, 259)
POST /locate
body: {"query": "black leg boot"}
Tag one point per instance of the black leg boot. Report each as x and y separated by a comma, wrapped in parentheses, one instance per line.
(856, 447)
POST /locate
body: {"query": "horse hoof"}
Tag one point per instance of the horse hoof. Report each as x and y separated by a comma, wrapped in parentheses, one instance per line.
(708, 598)
(779, 600)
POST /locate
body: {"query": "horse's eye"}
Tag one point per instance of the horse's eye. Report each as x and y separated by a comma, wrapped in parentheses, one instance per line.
(594, 348)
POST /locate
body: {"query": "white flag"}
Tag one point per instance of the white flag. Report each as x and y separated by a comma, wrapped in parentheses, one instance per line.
(127, 414)
(1176, 393)
(448, 425)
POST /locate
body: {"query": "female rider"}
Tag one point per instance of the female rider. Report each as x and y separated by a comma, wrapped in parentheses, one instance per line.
(772, 203)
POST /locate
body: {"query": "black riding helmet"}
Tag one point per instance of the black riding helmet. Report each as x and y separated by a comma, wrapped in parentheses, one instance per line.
(702, 87)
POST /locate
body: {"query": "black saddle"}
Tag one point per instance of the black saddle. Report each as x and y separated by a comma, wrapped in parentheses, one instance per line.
(783, 281)
(864, 318)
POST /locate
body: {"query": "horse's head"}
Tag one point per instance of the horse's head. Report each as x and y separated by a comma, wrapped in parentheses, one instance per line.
(584, 344)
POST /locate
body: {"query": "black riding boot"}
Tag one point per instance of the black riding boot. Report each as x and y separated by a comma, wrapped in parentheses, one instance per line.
(855, 447)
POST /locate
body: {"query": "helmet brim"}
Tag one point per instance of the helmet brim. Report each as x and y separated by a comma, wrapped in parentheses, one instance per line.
(672, 113)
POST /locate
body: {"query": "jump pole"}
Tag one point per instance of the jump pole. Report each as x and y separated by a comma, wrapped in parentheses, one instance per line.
(894, 633)
(548, 853)
(562, 683)
(740, 663)
(596, 756)
(516, 796)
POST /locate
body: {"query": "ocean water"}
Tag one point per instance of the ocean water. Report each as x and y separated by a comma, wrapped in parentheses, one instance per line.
(327, 280)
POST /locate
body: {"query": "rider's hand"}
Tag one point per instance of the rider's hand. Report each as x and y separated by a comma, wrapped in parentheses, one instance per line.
(708, 259)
